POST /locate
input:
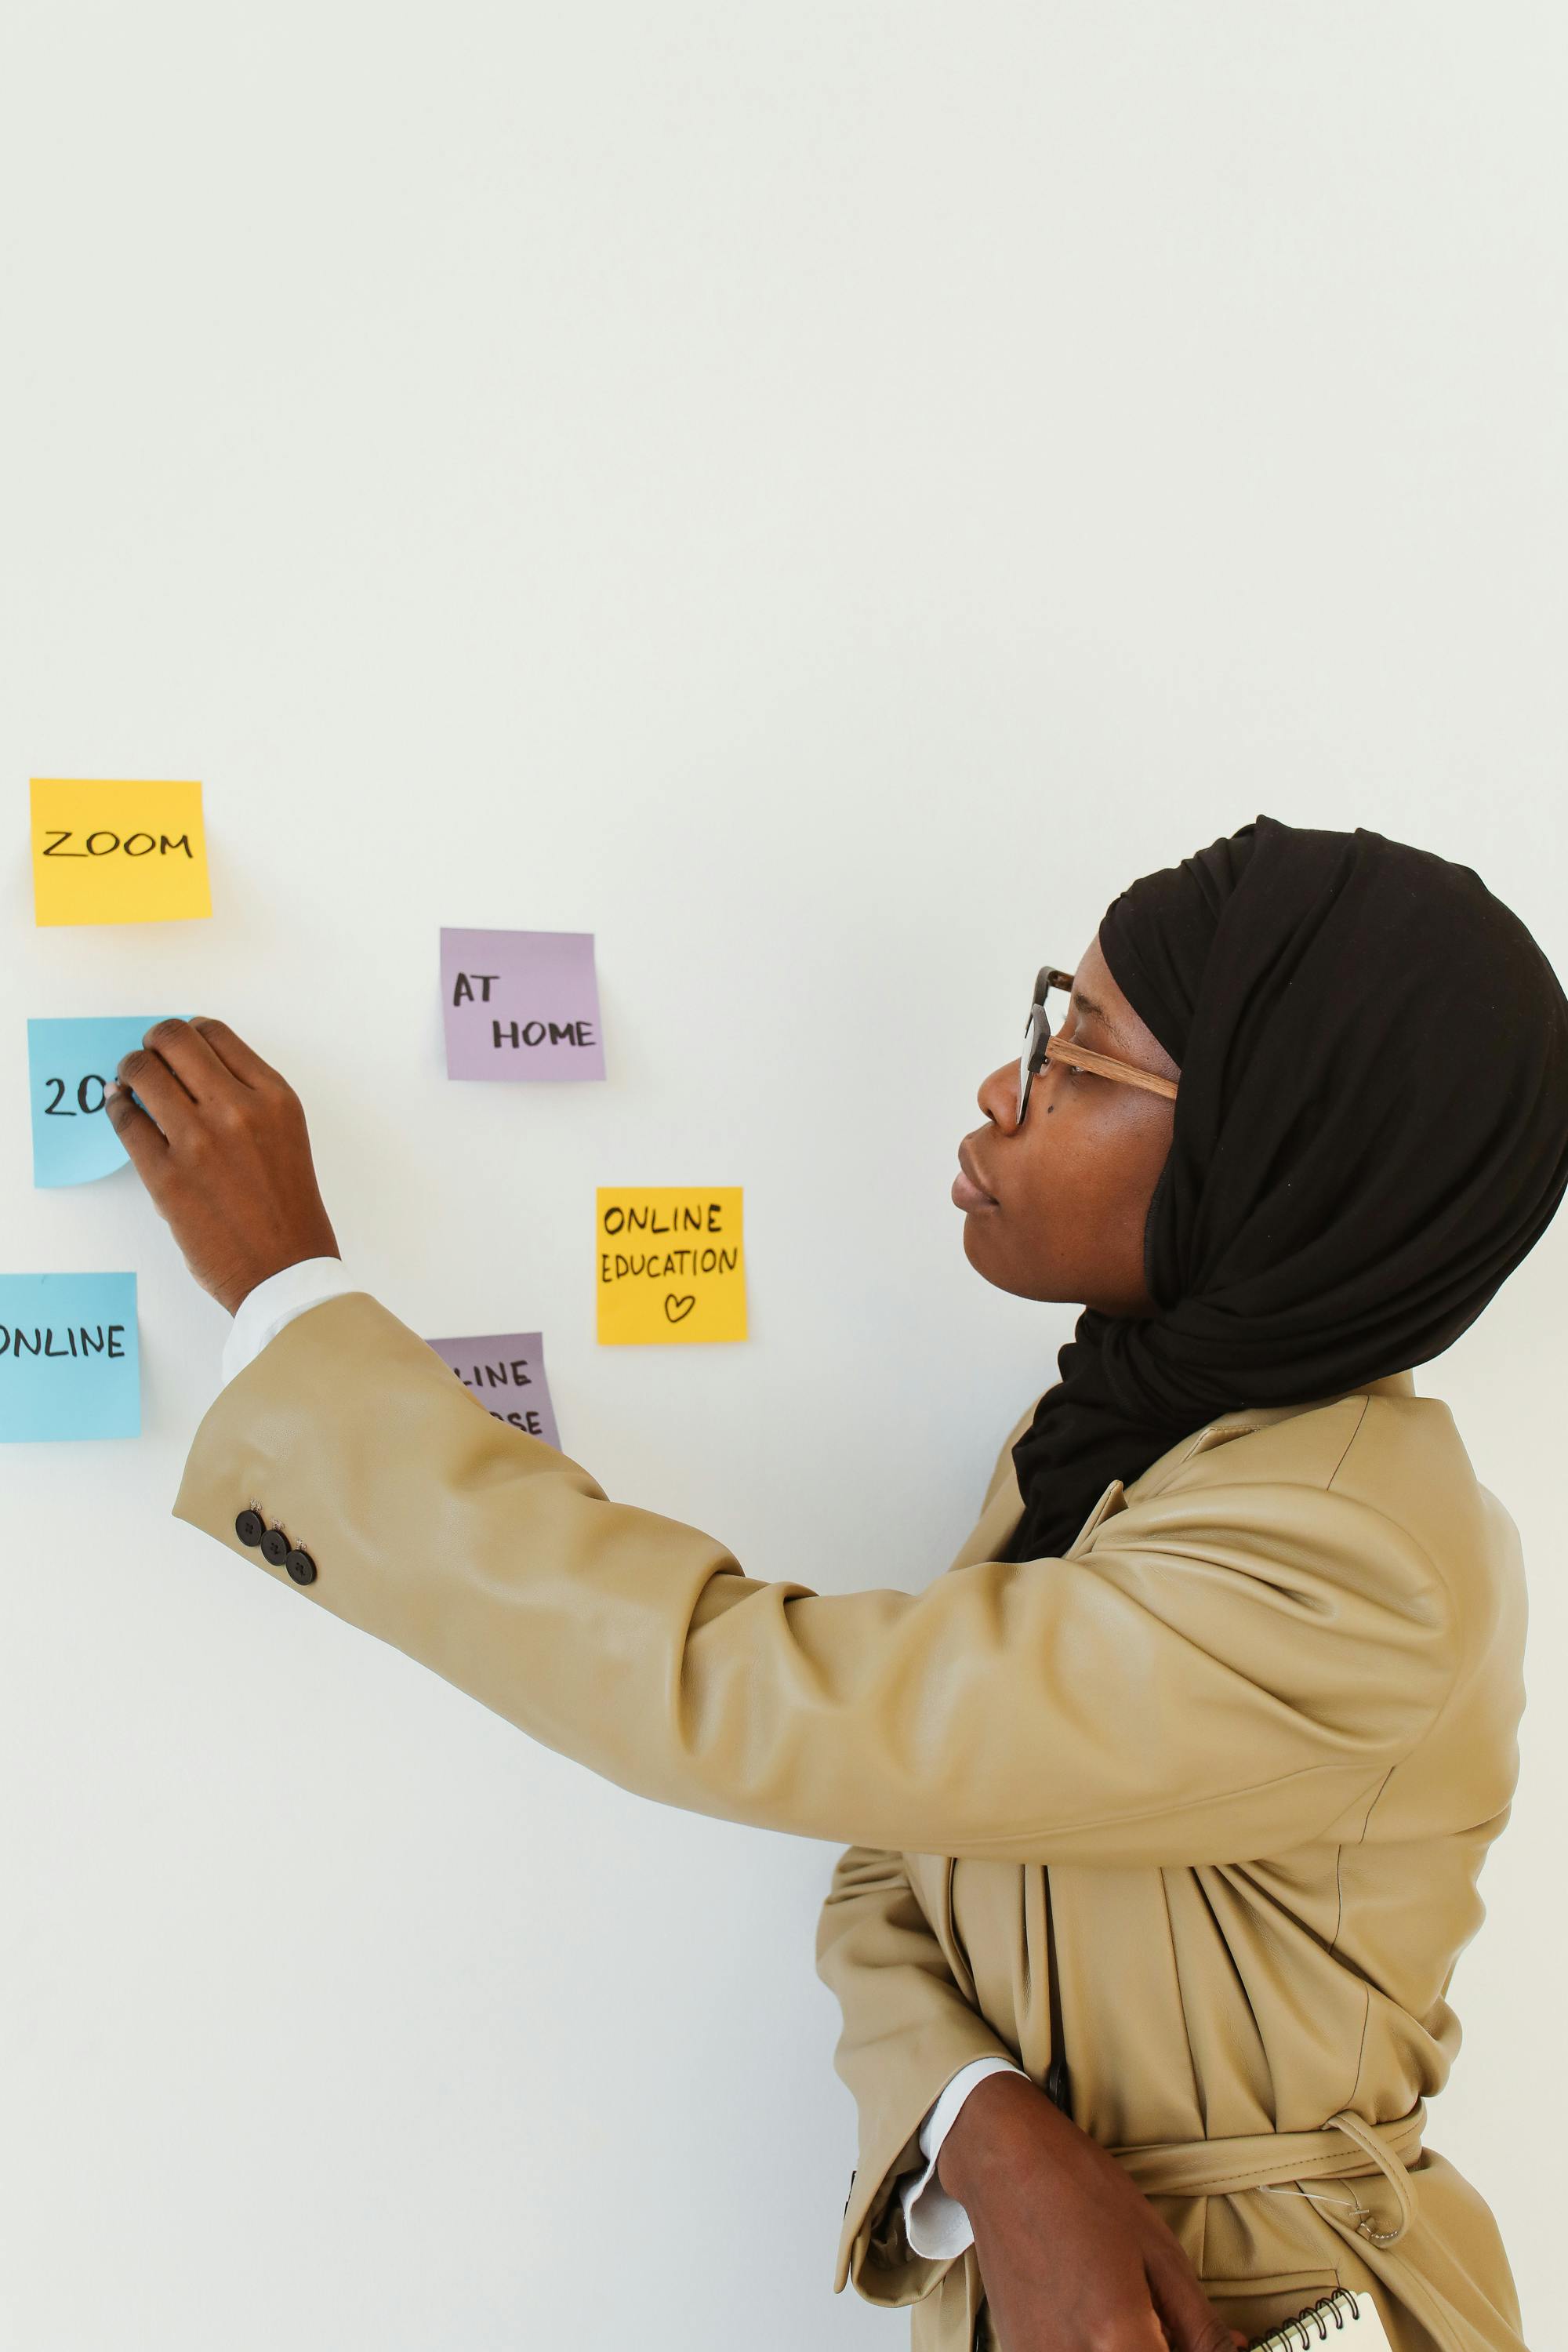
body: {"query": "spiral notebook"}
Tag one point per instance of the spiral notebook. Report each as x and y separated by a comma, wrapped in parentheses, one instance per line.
(1344, 2319)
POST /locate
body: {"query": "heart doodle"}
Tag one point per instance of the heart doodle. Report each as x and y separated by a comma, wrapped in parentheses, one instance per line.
(678, 1309)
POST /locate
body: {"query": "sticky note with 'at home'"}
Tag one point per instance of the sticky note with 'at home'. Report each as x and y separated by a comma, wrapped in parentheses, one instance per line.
(109, 852)
(69, 1365)
(520, 1004)
(669, 1264)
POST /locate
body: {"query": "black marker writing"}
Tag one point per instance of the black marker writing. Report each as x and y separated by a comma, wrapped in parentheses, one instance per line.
(682, 1220)
(101, 1340)
(540, 1033)
(53, 1110)
(614, 1268)
(103, 843)
(496, 1376)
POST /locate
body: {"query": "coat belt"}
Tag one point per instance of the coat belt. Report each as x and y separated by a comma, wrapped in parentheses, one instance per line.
(1347, 2148)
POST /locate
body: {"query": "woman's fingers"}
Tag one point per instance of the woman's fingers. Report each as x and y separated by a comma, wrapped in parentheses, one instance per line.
(142, 1139)
(1190, 2320)
(242, 1061)
(182, 1068)
(1032, 2321)
(227, 1163)
(191, 1051)
(153, 1070)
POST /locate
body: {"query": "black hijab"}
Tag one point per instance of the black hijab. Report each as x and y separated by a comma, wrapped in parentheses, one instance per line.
(1371, 1132)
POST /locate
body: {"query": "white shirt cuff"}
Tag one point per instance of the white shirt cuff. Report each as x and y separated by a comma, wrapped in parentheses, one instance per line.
(935, 2223)
(262, 1312)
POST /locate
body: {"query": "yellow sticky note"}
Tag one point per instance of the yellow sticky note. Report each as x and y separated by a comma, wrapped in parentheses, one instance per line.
(117, 853)
(669, 1264)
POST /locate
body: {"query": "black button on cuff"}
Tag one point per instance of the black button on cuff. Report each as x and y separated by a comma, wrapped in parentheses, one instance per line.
(275, 1547)
(250, 1526)
(301, 1567)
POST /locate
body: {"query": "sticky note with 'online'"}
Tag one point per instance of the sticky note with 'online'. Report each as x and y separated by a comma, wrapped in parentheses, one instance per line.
(69, 1365)
(669, 1264)
(506, 1371)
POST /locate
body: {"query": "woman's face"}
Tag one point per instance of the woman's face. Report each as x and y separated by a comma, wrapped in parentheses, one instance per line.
(1055, 1209)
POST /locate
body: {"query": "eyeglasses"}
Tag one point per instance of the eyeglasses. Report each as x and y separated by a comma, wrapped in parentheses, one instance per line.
(1040, 1047)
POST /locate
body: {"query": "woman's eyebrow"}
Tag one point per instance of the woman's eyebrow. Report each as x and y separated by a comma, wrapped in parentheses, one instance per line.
(1097, 1013)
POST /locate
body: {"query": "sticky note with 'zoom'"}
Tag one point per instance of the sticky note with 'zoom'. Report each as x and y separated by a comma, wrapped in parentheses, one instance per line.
(108, 852)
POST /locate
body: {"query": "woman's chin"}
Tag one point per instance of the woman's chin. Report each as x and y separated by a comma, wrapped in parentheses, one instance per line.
(979, 1245)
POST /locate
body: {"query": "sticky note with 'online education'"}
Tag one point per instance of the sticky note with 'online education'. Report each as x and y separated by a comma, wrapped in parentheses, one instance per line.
(506, 1371)
(68, 1064)
(520, 1004)
(110, 852)
(669, 1264)
(69, 1365)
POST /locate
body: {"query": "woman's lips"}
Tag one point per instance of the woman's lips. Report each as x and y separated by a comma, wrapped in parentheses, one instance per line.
(968, 1192)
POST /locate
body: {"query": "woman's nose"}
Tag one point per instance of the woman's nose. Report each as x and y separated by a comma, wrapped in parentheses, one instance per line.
(998, 1096)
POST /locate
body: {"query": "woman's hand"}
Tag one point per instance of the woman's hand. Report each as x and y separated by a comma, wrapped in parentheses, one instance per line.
(223, 1150)
(1074, 2258)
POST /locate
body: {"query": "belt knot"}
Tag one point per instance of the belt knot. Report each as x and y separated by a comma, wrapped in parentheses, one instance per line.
(1347, 2148)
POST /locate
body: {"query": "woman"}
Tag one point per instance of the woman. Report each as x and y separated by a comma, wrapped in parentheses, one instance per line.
(1171, 1794)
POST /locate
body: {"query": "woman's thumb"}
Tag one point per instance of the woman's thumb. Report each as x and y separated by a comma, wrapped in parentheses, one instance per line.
(1190, 2319)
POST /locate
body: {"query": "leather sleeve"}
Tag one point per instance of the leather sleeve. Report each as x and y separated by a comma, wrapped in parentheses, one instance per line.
(907, 2031)
(1227, 1670)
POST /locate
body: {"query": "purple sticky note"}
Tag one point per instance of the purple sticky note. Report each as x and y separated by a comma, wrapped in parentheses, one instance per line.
(520, 1004)
(506, 1373)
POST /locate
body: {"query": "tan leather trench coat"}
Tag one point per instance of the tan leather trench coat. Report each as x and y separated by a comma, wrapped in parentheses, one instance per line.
(1250, 1738)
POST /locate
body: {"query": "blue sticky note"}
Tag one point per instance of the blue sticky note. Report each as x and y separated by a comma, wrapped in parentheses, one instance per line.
(68, 1064)
(69, 1365)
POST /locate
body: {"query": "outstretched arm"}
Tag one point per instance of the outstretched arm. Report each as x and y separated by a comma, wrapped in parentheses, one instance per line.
(1213, 1677)
(1202, 1684)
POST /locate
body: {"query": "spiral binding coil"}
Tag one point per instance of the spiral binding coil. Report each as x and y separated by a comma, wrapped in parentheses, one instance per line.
(1294, 2338)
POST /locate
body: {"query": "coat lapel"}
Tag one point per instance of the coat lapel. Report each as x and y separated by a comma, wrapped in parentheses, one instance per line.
(989, 1536)
(1005, 1506)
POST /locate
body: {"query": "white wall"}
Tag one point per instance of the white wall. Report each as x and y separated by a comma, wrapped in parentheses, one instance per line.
(820, 495)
